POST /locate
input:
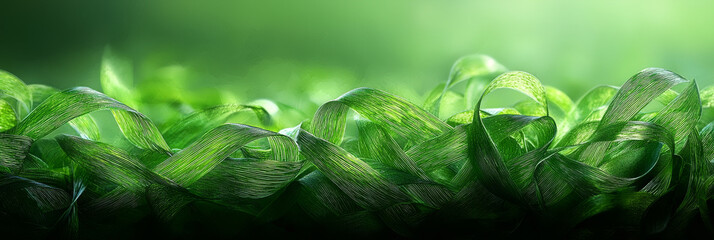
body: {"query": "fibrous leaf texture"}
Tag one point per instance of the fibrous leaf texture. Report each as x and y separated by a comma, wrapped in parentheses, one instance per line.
(598, 166)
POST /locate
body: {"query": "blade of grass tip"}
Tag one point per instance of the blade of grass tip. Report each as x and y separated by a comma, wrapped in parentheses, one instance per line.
(355, 177)
(479, 67)
(12, 86)
(393, 113)
(64, 106)
(199, 158)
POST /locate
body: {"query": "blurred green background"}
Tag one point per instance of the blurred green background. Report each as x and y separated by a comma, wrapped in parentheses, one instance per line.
(308, 52)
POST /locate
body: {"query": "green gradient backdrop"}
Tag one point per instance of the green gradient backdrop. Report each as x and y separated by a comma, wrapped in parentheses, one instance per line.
(318, 50)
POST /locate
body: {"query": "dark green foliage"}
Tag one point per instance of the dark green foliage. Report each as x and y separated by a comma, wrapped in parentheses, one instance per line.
(545, 166)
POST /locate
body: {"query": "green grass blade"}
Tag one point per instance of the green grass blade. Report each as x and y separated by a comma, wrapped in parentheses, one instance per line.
(13, 150)
(480, 67)
(8, 119)
(396, 114)
(186, 130)
(64, 106)
(485, 160)
(195, 161)
(116, 78)
(246, 178)
(107, 162)
(375, 143)
(13, 87)
(353, 176)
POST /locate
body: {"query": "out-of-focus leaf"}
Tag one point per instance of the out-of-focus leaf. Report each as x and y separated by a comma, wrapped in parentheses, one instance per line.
(116, 78)
(8, 119)
(480, 67)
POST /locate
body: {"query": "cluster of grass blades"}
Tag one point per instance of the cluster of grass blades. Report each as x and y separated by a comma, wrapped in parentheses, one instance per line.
(632, 161)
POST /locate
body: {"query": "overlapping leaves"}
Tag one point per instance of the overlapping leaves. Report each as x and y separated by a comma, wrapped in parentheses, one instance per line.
(545, 164)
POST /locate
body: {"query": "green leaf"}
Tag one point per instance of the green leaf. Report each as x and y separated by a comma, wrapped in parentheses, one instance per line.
(116, 78)
(480, 67)
(353, 176)
(375, 143)
(395, 114)
(195, 161)
(107, 162)
(64, 106)
(634, 95)
(85, 125)
(8, 119)
(596, 98)
(13, 150)
(13, 87)
(485, 160)
(191, 127)
(246, 178)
